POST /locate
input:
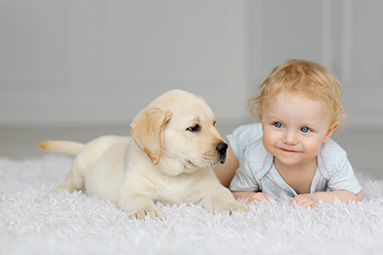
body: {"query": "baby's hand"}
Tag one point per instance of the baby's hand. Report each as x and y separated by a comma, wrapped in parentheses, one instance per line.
(305, 200)
(251, 197)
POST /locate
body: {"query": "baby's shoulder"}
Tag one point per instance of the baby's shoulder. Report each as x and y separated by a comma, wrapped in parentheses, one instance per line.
(330, 157)
(330, 150)
(257, 158)
(248, 132)
(244, 136)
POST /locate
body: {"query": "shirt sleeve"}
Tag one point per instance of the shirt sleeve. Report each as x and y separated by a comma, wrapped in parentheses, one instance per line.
(337, 169)
(343, 178)
(243, 136)
(244, 180)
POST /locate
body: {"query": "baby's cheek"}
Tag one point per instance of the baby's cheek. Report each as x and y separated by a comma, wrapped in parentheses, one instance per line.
(312, 149)
(268, 143)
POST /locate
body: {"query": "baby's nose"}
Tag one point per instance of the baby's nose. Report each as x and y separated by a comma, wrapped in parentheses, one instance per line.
(290, 138)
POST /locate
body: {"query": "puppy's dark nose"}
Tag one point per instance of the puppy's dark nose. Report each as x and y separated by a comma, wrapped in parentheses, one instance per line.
(222, 148)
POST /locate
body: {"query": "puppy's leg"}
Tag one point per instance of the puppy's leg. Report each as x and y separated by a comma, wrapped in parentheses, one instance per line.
(139, 206)
(220, 199)
(74, 181)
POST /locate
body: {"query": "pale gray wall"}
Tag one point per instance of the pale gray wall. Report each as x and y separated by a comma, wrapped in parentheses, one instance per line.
(79, 62)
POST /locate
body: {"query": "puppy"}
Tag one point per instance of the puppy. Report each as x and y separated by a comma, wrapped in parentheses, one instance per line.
(170, 158)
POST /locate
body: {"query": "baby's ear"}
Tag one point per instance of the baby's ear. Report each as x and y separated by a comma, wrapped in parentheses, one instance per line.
(331, 130)
(259, 113)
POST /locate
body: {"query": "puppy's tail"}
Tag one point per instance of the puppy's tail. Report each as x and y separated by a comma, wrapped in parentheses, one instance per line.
(62, 147)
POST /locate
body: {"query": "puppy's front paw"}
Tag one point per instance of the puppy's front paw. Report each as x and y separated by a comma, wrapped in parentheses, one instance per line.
(151, 212)
(233, 207)
(65, 187)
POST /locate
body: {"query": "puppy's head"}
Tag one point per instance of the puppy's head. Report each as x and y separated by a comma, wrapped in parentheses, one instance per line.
(178, 131)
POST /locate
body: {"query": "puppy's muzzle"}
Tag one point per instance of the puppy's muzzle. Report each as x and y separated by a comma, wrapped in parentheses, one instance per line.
(222, 149)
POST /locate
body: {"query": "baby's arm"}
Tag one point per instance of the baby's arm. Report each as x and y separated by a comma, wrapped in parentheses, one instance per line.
(250, 196)
(311, 200)
(225, 172)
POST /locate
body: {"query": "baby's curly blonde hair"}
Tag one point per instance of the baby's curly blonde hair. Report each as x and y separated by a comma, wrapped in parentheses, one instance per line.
(304, 77)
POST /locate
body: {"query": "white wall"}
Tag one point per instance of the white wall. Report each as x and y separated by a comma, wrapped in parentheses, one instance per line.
(79, 62)
(345, 36)
(71, 62)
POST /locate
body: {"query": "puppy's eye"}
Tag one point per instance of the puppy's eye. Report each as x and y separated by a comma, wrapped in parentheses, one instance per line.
(194, 128)
(215, 122)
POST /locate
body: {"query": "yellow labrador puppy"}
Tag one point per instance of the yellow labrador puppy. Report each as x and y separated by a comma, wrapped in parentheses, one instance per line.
(170, 158)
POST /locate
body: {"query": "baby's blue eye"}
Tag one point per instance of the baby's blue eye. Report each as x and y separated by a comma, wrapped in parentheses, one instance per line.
(278, 125)
(305, 130)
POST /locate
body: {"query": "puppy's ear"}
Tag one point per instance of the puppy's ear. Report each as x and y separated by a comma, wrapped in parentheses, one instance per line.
(146, 130)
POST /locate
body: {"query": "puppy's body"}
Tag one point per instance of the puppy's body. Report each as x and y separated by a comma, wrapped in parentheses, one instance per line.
(169, 159)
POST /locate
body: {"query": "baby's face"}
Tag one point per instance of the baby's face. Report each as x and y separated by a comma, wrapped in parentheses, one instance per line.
(294, 128)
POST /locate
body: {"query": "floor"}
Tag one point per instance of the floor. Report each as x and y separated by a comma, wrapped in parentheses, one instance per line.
(364, 148)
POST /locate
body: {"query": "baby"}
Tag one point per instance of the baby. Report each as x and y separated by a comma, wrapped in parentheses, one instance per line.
(291, 153)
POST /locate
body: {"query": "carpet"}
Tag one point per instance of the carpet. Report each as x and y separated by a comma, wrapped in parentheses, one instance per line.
(36, 221)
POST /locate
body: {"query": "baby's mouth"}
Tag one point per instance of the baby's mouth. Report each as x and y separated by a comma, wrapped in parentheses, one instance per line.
(287, 150)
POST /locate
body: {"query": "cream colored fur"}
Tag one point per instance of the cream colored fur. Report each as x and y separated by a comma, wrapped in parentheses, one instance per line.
(169, 159)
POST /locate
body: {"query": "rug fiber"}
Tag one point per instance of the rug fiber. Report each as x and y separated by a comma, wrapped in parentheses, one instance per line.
(35, 221)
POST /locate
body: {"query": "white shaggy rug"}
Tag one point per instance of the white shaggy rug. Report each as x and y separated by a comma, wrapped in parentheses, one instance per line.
(36, 221)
